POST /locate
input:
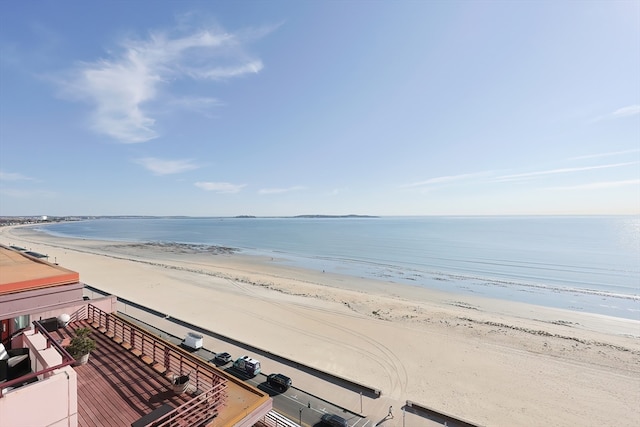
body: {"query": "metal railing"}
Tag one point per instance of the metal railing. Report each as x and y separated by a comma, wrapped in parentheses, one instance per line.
(273, 419)
(164, 357)
(67, 360)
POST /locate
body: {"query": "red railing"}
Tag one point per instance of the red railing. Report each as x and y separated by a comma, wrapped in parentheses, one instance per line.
(167, 358)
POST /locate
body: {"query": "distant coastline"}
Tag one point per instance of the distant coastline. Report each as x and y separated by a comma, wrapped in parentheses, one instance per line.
(311, 216)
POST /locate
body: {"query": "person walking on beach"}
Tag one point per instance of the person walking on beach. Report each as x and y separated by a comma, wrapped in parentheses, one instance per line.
(390, 415)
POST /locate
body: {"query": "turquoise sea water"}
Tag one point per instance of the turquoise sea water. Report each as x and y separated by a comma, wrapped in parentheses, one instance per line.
(589, 264)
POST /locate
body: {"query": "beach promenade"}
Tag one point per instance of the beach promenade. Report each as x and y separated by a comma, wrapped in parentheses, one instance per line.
(490, 362)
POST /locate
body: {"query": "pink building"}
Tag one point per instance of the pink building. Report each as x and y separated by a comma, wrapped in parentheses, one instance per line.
(131, 376)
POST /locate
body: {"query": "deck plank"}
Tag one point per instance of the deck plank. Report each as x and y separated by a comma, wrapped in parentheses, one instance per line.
(115, 387)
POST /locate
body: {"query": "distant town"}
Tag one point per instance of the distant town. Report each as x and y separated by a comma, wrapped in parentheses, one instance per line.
(18, 220)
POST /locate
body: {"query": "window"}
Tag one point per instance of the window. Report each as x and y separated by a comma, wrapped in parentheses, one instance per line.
(20, 322)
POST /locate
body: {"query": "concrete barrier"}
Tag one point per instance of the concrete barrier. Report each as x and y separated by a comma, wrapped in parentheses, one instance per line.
(438, 416)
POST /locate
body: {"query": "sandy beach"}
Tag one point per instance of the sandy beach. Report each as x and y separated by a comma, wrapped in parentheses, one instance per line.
(491, 362)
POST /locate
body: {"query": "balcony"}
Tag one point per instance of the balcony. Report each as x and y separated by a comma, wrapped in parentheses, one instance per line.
(127, 380)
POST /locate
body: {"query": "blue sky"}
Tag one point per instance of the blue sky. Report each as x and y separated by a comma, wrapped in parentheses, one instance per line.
(330, 107)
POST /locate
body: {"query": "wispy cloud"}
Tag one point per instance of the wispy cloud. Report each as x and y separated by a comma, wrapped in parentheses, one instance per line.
(523, 176)
(123, 86)
(27, 194)
(599, 185)
(446, 179)
(336, 191)
(198, 104)
(220, 187)
(631, 110)
(166, 167)
(623, 112)
(491, 177)
(609, 154)
(12, 176)
(280, 190)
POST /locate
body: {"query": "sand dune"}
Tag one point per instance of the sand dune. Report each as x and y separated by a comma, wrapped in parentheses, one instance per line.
(491, 362)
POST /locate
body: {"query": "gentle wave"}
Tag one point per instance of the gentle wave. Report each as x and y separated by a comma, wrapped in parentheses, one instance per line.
(580, 263)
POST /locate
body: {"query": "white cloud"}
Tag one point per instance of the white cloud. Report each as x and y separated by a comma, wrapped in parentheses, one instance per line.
(196, 103)
(521, 176)
(445, 179)
(12, 176)
(122, 87)
(620, 113)
(631, 110)
(226, 72)
(27, 194)
(280, 190)
(612, 153)
(166, 167)
(336, 191)
(599, 185)
(220, 187)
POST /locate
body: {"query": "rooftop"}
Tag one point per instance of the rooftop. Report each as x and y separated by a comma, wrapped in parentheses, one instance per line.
(22, 272)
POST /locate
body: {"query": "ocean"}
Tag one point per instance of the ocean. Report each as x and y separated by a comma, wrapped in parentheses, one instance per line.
(581, 263)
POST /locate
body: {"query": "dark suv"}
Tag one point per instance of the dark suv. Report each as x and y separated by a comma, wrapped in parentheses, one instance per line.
(222, 358)
(334, 420)
(279, 381)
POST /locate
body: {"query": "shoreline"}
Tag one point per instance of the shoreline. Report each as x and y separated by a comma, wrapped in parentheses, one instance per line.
(466, 355)
(616, 297)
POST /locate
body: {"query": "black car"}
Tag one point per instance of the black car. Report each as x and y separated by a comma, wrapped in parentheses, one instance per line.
(334, 420)
(279, 381)
(222, 358)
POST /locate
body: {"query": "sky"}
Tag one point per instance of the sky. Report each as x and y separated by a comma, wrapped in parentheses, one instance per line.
(280, 108)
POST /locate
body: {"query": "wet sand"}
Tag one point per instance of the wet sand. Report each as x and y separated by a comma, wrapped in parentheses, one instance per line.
(491, 362)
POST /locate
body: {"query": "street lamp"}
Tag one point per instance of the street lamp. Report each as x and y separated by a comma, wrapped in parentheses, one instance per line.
(301, 409)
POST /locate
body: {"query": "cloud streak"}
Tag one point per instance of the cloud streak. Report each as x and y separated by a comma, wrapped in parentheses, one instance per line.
(12, 176)
(599, 185)
(220, 187)
(527, 175)
(166, 167)
(490, 177)
(612, 153)
(280, 190)
(27, 194)
(122, 87)
(629, 111)
(445, 179)
(620, 113)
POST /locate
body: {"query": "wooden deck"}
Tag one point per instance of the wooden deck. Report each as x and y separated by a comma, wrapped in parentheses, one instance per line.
(116, 388)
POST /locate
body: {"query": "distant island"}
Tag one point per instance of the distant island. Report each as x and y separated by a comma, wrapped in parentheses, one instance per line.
(335, 216)
(312, 216)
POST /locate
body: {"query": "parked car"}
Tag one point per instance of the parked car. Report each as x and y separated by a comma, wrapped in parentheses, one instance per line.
(222, 358)
(279, 381)
(334, 420)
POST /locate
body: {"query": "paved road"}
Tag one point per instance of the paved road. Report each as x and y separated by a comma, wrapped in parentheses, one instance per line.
(302, 407)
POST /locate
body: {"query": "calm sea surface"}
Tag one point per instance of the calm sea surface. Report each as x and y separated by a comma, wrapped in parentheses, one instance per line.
(589, 264)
